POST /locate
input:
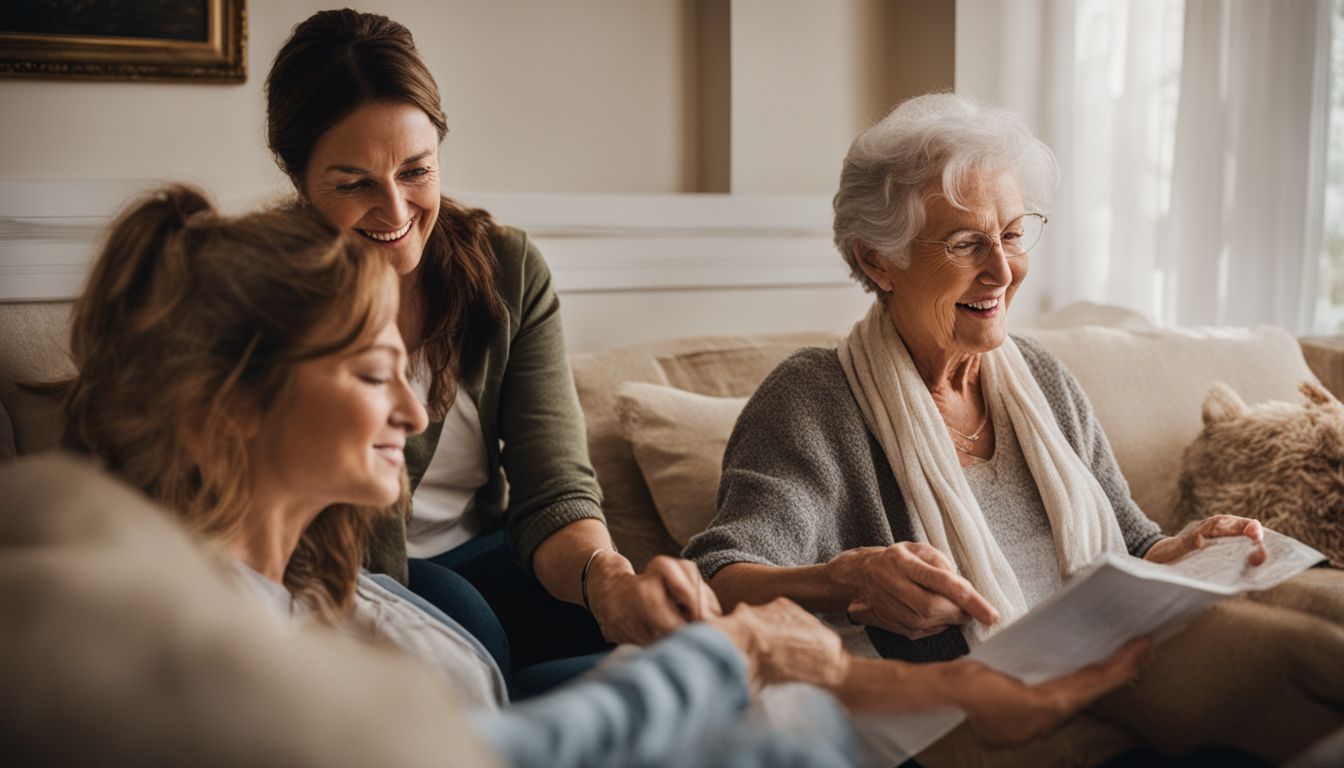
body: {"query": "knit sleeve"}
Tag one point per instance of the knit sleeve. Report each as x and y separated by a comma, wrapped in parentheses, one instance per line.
(791, 468)
(1073, 411)
(545, 446)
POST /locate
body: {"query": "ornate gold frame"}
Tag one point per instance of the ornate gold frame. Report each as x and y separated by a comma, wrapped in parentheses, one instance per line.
(221, 59)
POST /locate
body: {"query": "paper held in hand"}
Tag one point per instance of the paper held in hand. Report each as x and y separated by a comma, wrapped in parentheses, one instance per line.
(1113, 600)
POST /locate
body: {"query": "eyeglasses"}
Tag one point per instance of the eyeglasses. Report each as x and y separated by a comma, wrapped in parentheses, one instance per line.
(970, 249)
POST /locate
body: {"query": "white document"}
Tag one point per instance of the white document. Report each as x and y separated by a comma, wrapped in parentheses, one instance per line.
(1103, 606)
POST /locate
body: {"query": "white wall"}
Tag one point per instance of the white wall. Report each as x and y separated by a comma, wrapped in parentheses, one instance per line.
(808, 75)
(651, 314)
(795, 112)
(580, 96)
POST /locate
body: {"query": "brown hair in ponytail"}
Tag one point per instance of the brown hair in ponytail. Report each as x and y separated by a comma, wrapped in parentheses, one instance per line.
(191, 319)
(336, 62)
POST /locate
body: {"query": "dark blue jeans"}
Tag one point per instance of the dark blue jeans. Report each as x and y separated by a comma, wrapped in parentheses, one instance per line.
(537, 641)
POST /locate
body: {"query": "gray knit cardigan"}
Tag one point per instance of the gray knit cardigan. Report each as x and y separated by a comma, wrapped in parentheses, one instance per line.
(804, 479)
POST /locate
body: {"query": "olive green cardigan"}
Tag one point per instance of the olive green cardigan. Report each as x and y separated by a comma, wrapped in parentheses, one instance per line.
(540, 478)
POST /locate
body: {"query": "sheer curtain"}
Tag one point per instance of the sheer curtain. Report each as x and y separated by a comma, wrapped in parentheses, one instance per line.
(1191, 142)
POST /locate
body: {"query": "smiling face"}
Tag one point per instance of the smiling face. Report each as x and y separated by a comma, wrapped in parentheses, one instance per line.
(336, 433)
(940, 307)
(376, 173)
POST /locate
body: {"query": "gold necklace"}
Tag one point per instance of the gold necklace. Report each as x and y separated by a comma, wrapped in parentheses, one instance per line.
(973, 436)
(970, 452)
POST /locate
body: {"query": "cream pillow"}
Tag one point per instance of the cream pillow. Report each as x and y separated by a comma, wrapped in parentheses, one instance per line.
(678, 439)
(1147, 388)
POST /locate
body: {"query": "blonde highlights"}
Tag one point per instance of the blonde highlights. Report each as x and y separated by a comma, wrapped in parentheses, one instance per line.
(190, 322)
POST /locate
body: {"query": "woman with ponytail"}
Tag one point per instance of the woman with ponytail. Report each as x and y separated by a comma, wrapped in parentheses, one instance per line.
(192, 333)
(504, 491)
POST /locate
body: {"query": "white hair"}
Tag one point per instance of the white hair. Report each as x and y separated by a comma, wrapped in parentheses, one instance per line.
(884, 186)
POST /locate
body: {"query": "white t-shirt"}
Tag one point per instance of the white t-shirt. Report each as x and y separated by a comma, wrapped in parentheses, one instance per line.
(458, 468)
(461, 664)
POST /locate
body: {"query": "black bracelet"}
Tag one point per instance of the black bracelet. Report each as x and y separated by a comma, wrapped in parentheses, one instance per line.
(583, 580)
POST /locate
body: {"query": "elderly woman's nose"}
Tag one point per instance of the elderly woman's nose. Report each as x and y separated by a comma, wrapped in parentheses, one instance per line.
(996, 268)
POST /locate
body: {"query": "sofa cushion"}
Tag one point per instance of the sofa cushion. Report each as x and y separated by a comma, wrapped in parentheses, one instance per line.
(35, 349)
(693, 362)
(125, 645)
(1325, 355)
(1148, 386)
(678, 438)
(733, 372)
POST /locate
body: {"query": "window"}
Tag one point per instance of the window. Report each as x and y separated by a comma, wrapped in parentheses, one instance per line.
(1330, 300)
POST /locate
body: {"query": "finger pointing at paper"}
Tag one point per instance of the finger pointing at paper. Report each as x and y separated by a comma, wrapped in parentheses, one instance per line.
(909, 588)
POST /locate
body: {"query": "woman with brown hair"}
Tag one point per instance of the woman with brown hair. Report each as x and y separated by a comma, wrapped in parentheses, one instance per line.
(354, 120)
(212, 354)
(209, 362)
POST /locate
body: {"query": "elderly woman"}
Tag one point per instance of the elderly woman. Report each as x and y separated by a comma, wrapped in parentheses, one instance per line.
(933, 478)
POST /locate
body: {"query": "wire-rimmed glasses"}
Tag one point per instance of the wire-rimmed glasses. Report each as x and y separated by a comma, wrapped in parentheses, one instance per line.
(969, 248)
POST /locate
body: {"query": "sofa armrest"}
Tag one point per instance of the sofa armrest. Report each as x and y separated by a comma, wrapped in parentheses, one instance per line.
(1325, 357)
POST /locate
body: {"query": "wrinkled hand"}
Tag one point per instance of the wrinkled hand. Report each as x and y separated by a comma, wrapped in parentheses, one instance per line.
(1003, 711)
(1171, 549)
(640, 608)
(784, 643)
(909, 588)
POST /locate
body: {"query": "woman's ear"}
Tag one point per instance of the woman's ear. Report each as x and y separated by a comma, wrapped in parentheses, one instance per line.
(874, 265)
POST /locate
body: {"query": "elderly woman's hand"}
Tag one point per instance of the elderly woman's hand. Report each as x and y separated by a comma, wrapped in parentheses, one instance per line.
(784, 643)
(1173, 548)
(909, 588)
(642, 607)
(1003, 711)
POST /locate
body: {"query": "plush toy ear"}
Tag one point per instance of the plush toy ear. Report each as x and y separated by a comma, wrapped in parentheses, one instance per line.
(1222, 403)
(1316, 393)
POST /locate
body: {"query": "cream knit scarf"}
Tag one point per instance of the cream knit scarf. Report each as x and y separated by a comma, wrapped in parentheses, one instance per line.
(898, 409)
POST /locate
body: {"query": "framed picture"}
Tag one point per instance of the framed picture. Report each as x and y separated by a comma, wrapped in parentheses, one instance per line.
(174, 40)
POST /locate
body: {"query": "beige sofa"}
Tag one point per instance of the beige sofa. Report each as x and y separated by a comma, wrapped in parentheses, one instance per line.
(662, 437)
(659, 414)
(656, 445)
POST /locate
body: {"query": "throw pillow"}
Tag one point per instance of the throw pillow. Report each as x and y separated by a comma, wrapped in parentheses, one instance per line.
(1280, 463)
(678, 439)
(733, 372)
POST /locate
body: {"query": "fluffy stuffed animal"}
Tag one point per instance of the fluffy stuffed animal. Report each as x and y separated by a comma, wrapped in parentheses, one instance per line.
(1280, 463)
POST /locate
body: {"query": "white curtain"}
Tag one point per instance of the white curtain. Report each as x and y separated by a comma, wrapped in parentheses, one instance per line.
(1191, 141)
